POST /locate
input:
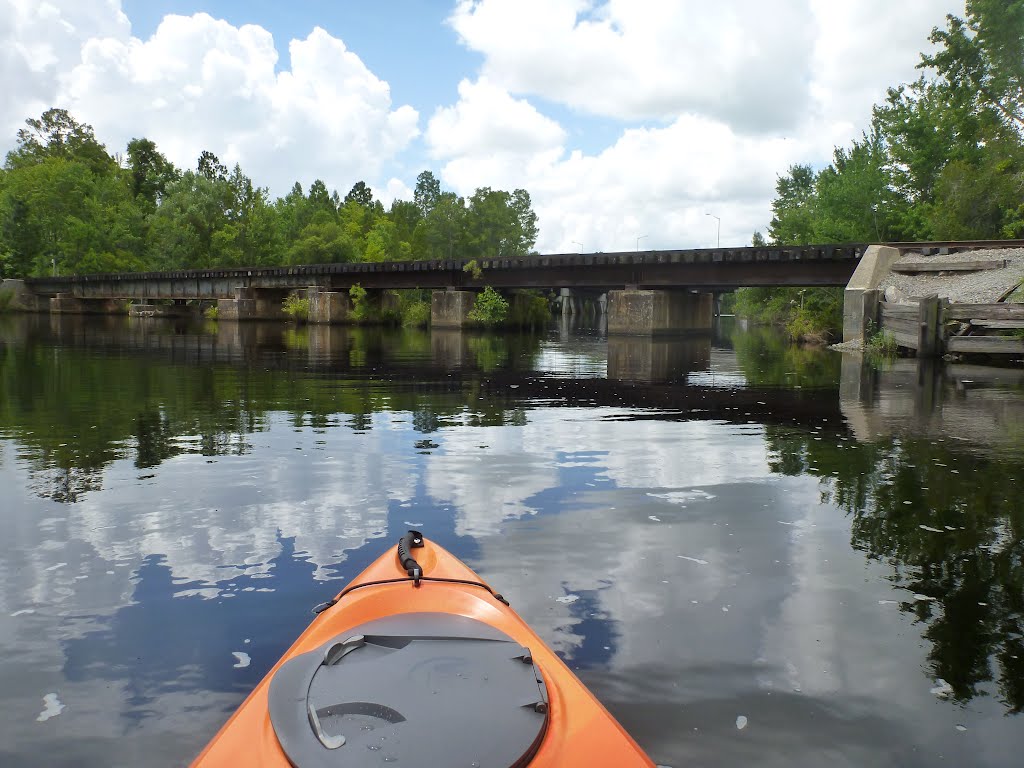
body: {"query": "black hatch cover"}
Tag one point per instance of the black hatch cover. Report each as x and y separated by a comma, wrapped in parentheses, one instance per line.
(416, 689)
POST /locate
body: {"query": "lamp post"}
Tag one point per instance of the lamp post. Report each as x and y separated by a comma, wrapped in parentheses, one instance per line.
(638, 241)
(577, 242)
(718, 238)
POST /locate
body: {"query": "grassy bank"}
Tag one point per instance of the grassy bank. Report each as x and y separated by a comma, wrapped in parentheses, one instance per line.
(812, 315)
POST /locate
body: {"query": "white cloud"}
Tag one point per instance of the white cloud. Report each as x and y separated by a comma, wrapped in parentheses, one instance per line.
(487, 119)
(648, 60)
(39, 43)
(738, 92)
(655, 181)
(200, 83)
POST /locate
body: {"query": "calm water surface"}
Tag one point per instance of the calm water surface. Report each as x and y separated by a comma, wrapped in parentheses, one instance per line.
(712, 534)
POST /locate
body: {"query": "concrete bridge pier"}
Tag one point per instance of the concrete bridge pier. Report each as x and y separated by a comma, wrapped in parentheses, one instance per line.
(573, 301)
(569, 302)
(67, 304)
(652, 313)
(328, 306)
(450, 308)
(253, 304)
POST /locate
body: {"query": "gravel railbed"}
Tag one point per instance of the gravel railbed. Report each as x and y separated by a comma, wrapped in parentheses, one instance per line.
(981, 287)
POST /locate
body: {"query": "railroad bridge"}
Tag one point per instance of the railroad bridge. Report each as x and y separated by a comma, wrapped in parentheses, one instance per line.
(648, 292)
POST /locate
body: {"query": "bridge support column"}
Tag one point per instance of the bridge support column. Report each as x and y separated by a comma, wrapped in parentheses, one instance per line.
(450, 309)
(253, 304)
(328, 306)
(66, 304)
(653, 313)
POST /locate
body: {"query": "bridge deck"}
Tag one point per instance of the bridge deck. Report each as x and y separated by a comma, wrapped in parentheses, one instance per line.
(708, 269)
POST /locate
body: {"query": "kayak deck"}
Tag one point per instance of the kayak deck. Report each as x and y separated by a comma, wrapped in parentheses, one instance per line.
(426, 605)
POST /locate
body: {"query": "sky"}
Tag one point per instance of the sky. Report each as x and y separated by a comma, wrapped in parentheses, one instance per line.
(650, 124)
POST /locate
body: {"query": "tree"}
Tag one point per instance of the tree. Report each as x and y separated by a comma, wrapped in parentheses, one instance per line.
(440, 233)
(323, 241)
(56, 134)
(427, 193)
(59, 215)
(406, 216)
(499, 224)
(210, 166)
(360, 193)
(249, 235)
(851, 196)
(792, 208)
(983, 55)
(151, 172)
(320, 199)
(184, 225)
(382, 243)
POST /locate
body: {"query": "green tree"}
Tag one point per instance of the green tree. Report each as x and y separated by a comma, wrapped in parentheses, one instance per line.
(184, 226)
(382, 243)
(983, 55)
(56, 134)
(361, 194)
(323, 241)
(427, 193)
(792, 209)
(59, 215)
(851, 196)
(151, 172)
(210, 167)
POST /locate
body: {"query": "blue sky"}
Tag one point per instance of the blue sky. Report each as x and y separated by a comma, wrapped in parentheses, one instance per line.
(621, 118)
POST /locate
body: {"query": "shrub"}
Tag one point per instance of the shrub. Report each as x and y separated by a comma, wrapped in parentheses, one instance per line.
(416, 314)
(489, 309)
(361, 310)
(816, 312)
(529, 311)
(473, 269)
(297, 308)
(882, 343)
(211, 313)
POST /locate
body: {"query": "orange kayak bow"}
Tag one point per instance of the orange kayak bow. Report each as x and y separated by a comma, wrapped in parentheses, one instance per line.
(419, 662)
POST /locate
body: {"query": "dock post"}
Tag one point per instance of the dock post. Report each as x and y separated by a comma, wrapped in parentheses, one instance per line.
(929, 327)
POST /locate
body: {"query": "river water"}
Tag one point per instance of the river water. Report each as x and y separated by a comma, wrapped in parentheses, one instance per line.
(751, 553)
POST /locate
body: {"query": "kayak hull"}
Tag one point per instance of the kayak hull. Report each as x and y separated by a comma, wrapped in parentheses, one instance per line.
(580, 732)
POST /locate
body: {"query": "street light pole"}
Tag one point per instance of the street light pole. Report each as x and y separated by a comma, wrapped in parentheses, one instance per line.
(718, 239)
(638, 241)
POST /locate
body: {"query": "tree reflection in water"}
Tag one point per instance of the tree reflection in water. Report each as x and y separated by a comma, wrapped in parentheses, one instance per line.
(950, 524)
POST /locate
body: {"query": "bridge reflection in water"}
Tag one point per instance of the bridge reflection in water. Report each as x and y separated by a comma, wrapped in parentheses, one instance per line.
(626, 371)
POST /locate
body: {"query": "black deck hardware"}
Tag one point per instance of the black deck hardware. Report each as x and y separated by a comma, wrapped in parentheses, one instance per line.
(410, 541)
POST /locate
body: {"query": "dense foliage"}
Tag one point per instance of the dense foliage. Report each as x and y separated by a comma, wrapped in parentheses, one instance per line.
(69, 207)
(943, 159)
